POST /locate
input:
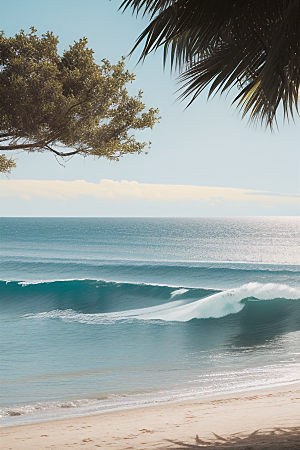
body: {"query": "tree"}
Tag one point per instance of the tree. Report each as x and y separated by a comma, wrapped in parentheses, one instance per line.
(66, 104)
(253, 45)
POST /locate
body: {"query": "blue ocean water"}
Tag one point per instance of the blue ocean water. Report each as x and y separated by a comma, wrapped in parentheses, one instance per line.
(104, 314)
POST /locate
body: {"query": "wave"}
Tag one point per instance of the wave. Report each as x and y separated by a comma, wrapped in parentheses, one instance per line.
(192, 274)
(101, 302)
(220, 304)
(89, 296)
(178, 290)
(117, 262)
(213, 306)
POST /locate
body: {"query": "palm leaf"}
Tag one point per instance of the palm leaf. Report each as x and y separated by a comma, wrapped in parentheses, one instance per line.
(251, 44)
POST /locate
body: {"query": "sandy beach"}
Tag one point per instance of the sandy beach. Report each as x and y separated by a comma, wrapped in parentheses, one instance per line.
(261, 419)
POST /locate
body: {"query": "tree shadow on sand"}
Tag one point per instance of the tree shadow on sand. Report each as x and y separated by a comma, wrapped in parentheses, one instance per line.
(274, 439)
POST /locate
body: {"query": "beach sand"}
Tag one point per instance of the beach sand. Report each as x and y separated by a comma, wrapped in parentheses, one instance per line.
(261, 419)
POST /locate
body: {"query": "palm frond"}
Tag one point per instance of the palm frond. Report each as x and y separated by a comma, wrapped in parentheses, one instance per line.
(251, 44)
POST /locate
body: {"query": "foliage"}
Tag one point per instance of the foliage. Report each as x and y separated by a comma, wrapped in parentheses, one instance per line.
(56, 103)
(6, 164)
(251, 44)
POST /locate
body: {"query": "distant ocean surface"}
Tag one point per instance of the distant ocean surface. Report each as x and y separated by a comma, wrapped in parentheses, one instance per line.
(106, 314)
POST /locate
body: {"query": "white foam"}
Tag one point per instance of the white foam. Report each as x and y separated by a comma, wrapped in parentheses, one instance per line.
(69, 315)
(108, 280)
(224, 303)
(31, 282)
(178, 292)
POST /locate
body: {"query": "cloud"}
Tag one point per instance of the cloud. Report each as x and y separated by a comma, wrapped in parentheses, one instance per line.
(131, 190)
(272, 194)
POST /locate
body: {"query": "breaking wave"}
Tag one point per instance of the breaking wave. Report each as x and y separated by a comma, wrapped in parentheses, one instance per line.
(99, 302)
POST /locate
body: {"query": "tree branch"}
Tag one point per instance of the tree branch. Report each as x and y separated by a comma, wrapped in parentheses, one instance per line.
(42, 145)
(61, 153)
(22, 146)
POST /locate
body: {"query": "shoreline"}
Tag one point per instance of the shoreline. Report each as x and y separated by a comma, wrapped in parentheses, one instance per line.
(238, 414)
(65, 409)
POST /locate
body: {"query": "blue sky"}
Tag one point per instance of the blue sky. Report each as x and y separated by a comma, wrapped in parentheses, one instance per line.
(207, 145)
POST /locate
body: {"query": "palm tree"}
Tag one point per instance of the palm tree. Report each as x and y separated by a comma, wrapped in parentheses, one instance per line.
(253, 45)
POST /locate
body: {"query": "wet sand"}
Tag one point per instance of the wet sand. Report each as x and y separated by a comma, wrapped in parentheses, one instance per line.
(261, 419)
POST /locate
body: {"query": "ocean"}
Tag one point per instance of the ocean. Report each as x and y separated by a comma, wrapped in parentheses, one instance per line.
(102, 314)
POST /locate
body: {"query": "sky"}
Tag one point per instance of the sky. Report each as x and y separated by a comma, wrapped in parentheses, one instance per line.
(204, 160)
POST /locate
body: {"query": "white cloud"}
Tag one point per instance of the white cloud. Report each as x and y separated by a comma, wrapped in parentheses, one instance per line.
(132, 190)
